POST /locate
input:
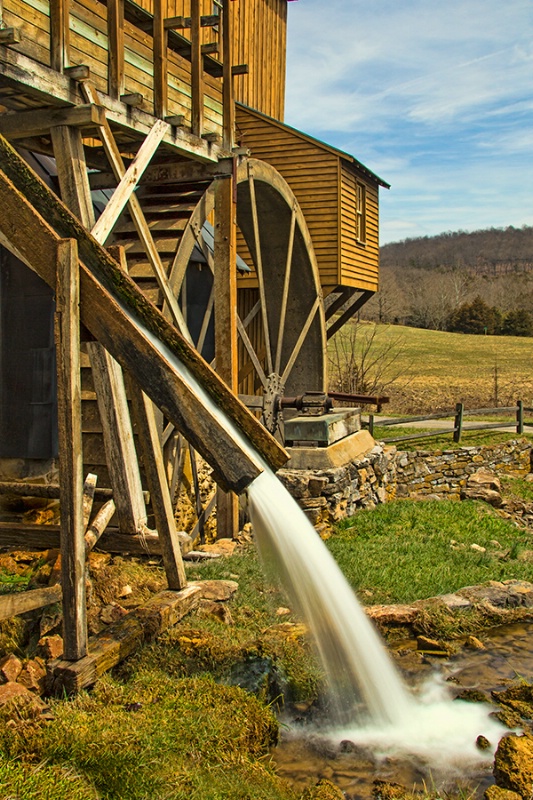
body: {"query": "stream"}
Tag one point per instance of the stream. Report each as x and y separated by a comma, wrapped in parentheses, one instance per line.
(307, 754)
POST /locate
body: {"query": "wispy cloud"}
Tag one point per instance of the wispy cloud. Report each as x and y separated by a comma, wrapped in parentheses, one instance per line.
(420, 92)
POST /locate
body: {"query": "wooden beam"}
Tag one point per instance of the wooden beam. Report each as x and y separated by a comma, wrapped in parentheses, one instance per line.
(39, 537)
(352, 307)
(10, 36)
(67, 336)
(115, 38)
(24, 124)
(99, 524)
(118, 439)
(21, 602)
(197, 77)
(128, 183)
(122, 638)
(228, 102)
(160, 37)
(148, 433)
(72, 173)
(59, 34)
(89, 488)
(225, 309)
(107, 376)
(52, 88)
(51, 490)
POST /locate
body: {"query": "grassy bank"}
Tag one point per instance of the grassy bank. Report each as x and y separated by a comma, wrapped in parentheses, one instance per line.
(436, 369)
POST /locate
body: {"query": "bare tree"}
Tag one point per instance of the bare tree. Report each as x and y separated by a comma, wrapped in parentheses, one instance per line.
(365, 358)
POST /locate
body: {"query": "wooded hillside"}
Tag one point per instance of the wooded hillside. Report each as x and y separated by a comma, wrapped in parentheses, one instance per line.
(440, 281)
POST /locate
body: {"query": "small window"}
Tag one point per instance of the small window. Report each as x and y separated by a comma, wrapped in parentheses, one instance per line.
(360, 213)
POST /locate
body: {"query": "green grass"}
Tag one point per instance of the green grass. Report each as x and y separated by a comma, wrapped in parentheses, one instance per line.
(444, 441)
(187, 740)
(402, 551)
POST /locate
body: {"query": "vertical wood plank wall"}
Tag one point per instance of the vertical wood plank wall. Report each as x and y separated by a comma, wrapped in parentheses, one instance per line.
(312, 174)
(359, 262)
(259, 41)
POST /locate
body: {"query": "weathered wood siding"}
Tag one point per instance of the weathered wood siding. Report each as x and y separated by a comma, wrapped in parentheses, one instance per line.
(325, 186)
(313, 175)
(259, 41)
(359, 260)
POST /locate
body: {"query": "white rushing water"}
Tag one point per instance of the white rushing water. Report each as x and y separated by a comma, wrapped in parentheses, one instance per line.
(369, 702)
(361, 677)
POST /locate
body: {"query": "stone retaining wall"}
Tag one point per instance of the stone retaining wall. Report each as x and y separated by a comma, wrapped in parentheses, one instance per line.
(386, 473)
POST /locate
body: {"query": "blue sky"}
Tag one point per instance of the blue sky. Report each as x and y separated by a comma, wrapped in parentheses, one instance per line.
(436, 98)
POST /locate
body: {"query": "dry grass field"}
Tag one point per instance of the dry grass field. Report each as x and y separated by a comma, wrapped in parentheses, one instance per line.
(428, 371)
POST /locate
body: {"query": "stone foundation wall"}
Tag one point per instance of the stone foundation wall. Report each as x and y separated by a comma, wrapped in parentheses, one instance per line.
(386, 473)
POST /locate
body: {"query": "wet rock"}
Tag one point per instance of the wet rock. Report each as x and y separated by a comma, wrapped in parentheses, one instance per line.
(482, 743)
(216, 610)
(497, 793)
(324, 790)
(518, 698)
(431, 646)
(386, 790)
(216, 590)
(260, 676)
(474, 643)
(511, 719)
(513, 764)
(10, 668)
(472, 696)
(282, 611)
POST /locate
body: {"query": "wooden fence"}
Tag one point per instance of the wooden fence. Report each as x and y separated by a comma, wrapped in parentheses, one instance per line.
(517, 422)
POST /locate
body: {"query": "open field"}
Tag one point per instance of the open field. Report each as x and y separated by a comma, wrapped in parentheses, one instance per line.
(433, 370)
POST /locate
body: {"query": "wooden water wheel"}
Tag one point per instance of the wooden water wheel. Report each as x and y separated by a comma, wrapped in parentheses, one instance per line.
(281, 322)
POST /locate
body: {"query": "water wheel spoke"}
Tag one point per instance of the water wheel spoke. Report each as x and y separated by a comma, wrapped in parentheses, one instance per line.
(285, 295)
(251, 352)
(301, 339)
(259, 270)
(206, 320)
(204, 516)
(251, 315)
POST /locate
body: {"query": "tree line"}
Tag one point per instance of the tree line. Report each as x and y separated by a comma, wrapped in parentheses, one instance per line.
(480, 282)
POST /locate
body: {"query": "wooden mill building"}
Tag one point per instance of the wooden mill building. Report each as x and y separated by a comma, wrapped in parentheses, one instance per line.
(144, 141)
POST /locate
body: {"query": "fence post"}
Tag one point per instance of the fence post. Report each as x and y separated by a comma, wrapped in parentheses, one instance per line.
(520, 416)
(458, 425)
(371, 424)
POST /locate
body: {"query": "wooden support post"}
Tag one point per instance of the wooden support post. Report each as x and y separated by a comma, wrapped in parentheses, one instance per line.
(59, 34)
(72, 172)
(458, 424)
(228, 104)
(113, 406)
(115, 38)
(160, 35)
(144, 416)
(67, 333)
(118, 439)
(225, 293)
(371, 424)
(197, 77)
(520, 416)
